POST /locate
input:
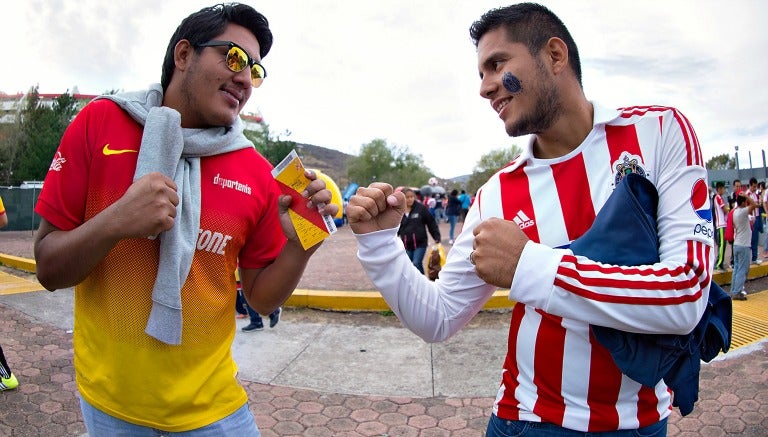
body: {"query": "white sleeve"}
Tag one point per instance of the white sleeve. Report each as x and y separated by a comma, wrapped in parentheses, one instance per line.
(432, 310)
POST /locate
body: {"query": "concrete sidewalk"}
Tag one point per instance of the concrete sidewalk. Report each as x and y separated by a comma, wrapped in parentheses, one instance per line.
(331, 373)
(362, 354)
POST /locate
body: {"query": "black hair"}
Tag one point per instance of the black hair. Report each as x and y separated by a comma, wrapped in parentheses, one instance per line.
(752, 180)
(719, 184)
(530, 24)
(209, 22)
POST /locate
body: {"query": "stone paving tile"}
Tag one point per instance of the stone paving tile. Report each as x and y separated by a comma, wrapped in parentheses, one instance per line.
(733, 398)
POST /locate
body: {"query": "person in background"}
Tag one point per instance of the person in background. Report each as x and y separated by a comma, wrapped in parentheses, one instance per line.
(8, 380)
(430, 204)
(720, 208)
(439, 208)
(754, 218)
(240, 310)
(736, 189)
(466, 201)
(742, 240)
(151, 201)
(452, 212)
(256, 324)
(557, 379)
(763, 216)
(413, 229)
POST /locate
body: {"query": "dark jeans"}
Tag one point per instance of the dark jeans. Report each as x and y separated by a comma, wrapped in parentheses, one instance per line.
(452, 219)
(756, 230)
(240, 303)
(510, 428)
(256, 317)
(242, 307)
(417, 257)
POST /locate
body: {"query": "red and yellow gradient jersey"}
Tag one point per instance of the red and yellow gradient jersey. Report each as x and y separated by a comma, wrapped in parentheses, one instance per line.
(119, 368)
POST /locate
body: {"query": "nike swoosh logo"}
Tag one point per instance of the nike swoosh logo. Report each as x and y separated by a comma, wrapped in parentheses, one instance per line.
(107, 151)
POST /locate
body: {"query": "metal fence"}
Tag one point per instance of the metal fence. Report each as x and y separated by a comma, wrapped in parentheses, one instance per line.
(744, 174)
(20, 207)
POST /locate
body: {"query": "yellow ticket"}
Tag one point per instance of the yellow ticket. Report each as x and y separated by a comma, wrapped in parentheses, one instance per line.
(310, 225)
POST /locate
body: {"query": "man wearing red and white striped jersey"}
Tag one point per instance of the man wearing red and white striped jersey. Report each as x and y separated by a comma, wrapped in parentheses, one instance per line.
(556, 376)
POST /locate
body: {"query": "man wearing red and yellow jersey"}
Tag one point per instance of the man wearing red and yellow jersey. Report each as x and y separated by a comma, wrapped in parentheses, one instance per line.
(151, 200)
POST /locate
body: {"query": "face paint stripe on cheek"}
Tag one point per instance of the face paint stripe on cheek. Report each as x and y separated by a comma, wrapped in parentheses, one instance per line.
(511, 83)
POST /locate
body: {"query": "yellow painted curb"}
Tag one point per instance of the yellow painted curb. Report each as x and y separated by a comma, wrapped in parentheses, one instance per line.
(17, 262)
(317, 299)
(366, 300)
(371, 300)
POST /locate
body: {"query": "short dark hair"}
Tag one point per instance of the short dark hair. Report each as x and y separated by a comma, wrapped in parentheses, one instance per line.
(719, 184)
(531, 24)
(752, 180)
(209, 22)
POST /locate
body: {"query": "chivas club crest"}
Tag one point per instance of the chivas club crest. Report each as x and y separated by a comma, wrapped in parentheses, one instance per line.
(628, 164)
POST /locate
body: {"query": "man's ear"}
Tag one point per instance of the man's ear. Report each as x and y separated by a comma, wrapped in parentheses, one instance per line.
(182, 54)
(557, 55)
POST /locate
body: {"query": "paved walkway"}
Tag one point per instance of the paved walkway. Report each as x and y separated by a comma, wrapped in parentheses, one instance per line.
(320, 373)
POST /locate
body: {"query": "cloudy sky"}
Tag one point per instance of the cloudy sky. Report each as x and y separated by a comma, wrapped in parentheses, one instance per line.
(344, 72)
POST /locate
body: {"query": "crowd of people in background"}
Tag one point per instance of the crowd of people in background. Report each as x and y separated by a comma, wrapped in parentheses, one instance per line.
(739, 219)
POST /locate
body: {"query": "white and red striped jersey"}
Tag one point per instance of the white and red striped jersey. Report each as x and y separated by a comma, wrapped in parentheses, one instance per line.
(555, 371)
(720, 213)
(757, 198)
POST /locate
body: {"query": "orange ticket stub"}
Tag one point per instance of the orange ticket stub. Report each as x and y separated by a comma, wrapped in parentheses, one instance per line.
(310, 225)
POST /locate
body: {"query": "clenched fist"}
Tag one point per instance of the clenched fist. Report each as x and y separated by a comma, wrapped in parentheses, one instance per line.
(374, 208)
(497, 248)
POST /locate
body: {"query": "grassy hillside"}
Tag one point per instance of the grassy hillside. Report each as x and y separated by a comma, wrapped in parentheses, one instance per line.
(334, 164)
(329, 161)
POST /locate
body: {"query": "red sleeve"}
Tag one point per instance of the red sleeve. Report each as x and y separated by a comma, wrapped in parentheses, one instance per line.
(63, 196)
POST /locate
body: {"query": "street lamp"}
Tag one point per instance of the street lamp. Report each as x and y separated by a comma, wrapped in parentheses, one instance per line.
(738, 173)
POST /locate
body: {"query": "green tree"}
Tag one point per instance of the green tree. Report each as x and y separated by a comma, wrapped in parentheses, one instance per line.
(395, 165)
(269, 145)
(722, 162)
(489, 164)
(9, 147)
(40, 128)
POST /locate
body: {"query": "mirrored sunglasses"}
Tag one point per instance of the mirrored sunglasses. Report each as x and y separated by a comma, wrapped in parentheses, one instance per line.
(237, 59)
